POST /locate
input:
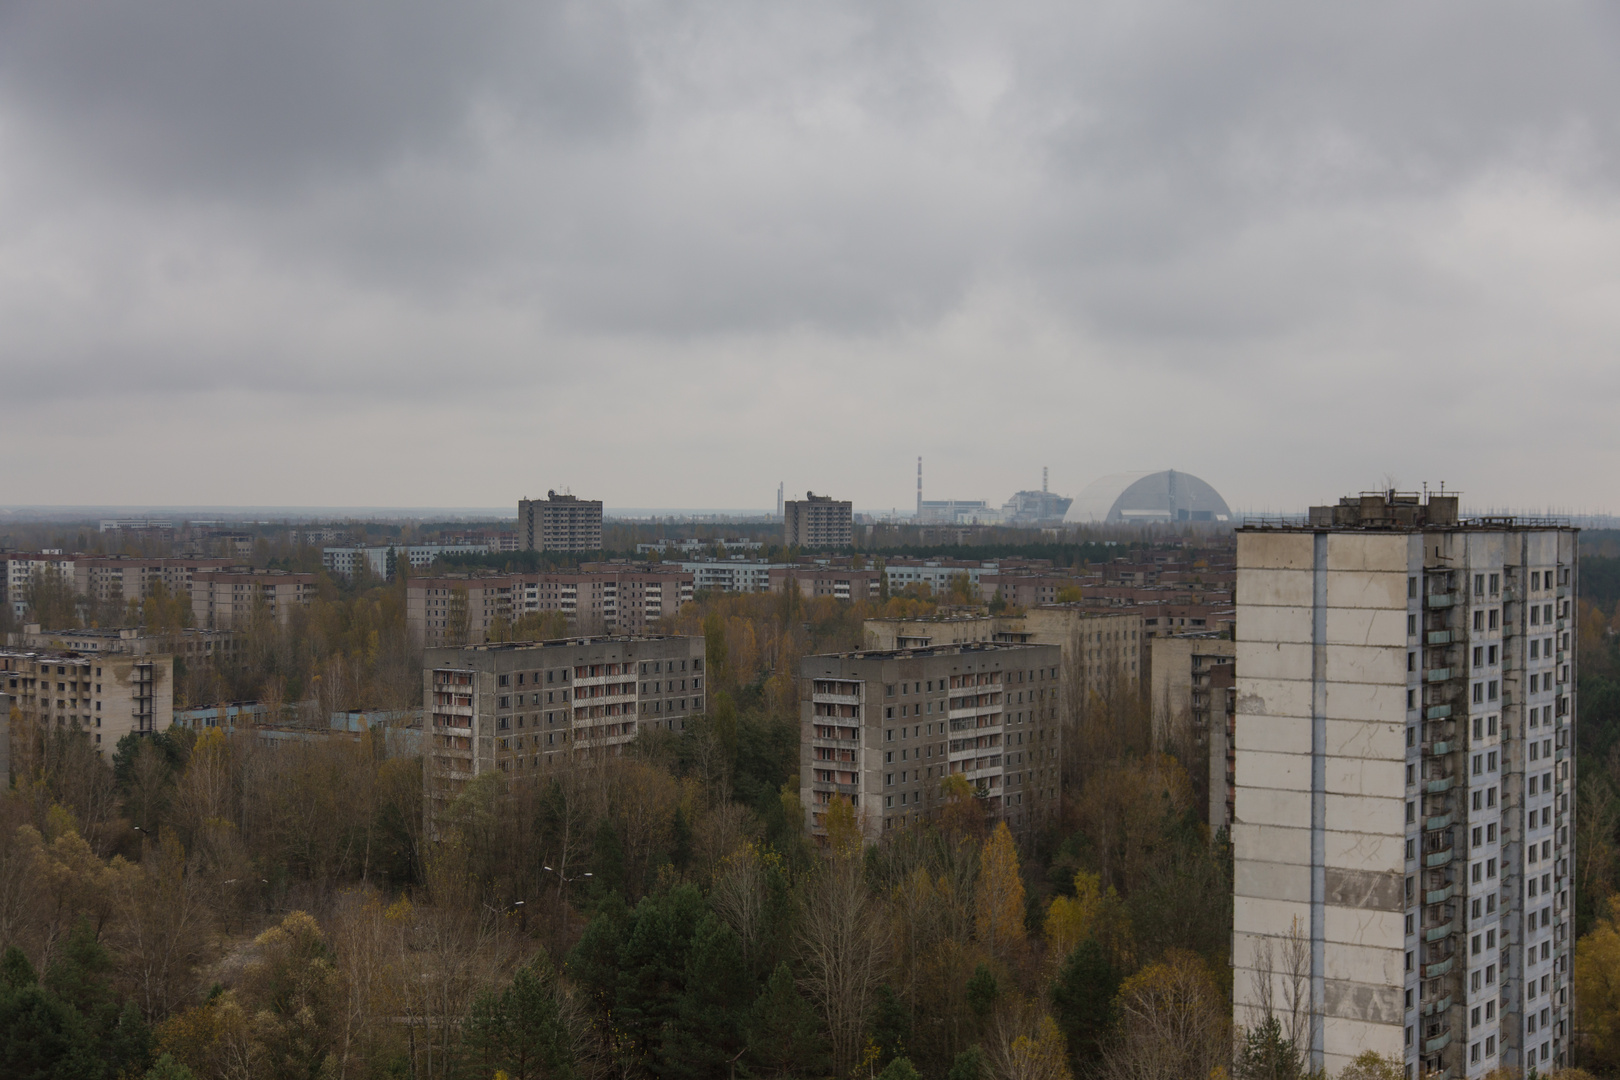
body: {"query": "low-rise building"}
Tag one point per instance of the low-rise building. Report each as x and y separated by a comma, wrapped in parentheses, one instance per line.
(732, 575)
(598, 598)
(838, 582)
(106, 696)
(522, 707)
(883, 729)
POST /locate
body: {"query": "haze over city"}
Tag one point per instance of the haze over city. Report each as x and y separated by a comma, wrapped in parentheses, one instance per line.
(411, 255)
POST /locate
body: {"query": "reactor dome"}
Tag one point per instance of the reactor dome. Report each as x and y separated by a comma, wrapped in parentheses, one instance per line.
(1149, 497)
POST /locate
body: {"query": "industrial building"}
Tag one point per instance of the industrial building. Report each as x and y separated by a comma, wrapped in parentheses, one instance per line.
(1149, 498)
(1404, 784)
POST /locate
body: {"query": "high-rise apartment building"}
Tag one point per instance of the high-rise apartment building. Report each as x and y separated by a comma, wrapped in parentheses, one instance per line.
(817, 521)
(226, 599)
(883, 729)
(520, 707)
(595, 599)
(559, 523)
(1404, 784)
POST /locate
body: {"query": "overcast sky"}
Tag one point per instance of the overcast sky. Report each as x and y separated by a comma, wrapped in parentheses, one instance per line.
(449, 254)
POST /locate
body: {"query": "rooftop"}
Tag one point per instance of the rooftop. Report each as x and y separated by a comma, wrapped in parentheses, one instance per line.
(1398, 511)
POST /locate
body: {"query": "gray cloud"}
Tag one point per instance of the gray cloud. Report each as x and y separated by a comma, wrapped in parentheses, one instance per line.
(1262, 242)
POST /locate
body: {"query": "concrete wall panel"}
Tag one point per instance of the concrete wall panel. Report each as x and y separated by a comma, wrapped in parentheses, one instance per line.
(1365, 776)
(1281, 734)
(1357, 589)
(1270, 880)
(1274, 660)
(1367, 551)
(1273, 697)
(1287, 551)
(1367, 626)
(1364, 964)
(1367, 701)
(1258, 769)
(1373, 929)
(1370, 739)
(1364, 851)
(1260, 915)
(1276, 588)
(1365, 813)
(1285, 844)
(1381, 664)
(1276, 624)
(1262, 806)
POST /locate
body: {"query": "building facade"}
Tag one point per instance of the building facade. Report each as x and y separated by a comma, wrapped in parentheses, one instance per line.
(226, 599)
(522, 707)
(105, 696)
(559, 523)
(597, 599)
(817, 521)
(1404, 778)
(380, 559)
(884, 728)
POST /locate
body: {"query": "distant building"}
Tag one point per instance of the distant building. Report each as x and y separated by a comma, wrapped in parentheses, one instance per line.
(838, 582)
(1150, 498)
(817, 521)
(595, 599)
(956, 512)
(733, 575)
(884, 728)
(525, 707)
(380, 559)
(698, 546)
(135, 525)
(559, 523)
(191, 644)
(105, 696)
(1033, 509)
(226, 599)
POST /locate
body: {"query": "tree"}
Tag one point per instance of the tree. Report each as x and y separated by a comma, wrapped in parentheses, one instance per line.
(1172, 1023)
(521, 1030)
(899, 1069)
(970, 1064)
(784, 1035)
(1371, 1065)
(1083, 998)
(1267, 1054)
(1597, 987)
(999, 923)
(297, 992)
(1038, 1056)
(51, 601)
(846, 950)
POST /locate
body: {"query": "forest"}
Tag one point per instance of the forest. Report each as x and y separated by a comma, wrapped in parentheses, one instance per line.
(211, 907)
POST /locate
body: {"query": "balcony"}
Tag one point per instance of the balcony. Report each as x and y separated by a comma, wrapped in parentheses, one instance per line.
(1439, 821)
(1439, 896)
(1437, 712)
(1438, 858)
(1441, 600)
(1439, 637)
(1437, 748)
(1441, 674)
(1439, 968)
(836, 699)
(1436, 933)
(1439, 1005)
(1438, 1042)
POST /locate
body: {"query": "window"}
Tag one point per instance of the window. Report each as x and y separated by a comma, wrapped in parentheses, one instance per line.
(1479, 656)
(1496, 616)
(1411, 626)
(1496, 584)
(1491, 655)
(1479, 620)
(1479, 584)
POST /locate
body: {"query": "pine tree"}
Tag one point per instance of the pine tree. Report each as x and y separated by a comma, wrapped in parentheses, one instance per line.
(970, 1064)
(784, 1033)
(1083, 998)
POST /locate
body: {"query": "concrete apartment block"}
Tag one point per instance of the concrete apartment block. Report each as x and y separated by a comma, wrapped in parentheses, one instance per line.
(1402, 807)
(520, 707)
(884, 728)
(559, 523)
(817, 521)
(105, 696)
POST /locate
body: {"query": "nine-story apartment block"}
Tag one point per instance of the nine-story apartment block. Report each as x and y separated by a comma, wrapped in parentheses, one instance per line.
(525, 706)
(884, 729)
(559, 523)
(1404, 783)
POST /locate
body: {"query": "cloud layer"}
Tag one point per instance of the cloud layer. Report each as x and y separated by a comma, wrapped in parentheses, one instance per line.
(668, 254)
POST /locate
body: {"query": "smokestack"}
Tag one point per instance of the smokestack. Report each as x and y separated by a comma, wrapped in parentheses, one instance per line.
(919, 488)
(780, 486)
(1043, 479)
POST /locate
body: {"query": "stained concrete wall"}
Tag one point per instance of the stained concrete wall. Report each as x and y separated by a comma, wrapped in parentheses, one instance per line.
(1361, 677)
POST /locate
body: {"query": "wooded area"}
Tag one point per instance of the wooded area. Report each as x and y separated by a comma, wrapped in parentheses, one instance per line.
(211, 907)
